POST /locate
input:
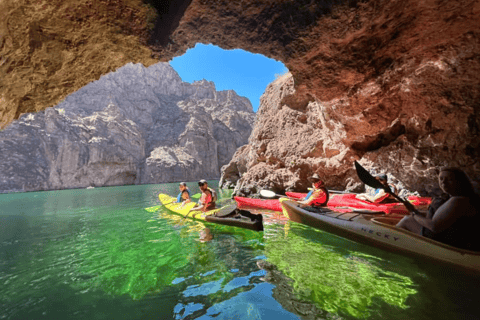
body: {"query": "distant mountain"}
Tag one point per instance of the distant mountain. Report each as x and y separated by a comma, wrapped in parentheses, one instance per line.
(134, 126)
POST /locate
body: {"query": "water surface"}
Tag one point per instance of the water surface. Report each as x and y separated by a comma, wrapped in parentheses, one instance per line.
(97, 254)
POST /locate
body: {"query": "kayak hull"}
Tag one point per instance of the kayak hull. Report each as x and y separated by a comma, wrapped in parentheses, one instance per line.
(271, 204)
(380, 231)
(209, 216)
(237, 221)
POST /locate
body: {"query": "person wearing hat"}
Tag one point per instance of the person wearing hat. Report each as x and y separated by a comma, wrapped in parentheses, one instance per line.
(379, 195)
(318, 196)
(208, 198)
(184, 195)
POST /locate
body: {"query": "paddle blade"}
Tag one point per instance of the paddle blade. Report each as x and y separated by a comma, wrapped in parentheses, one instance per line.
(367, 178)
(227, 210)
(196, 196)
(267, 194)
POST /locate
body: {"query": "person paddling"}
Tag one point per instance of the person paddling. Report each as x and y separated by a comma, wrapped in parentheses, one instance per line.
(379, 195)
(456, 221)
(208, 198)
(318, 196)
(184, 195)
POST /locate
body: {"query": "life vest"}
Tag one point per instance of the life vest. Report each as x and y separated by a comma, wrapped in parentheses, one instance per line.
(319, 197)
(214, 194)
(179, 197)
(209, 205)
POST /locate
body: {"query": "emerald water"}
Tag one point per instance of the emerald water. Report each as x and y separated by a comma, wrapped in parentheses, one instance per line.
(97, 254)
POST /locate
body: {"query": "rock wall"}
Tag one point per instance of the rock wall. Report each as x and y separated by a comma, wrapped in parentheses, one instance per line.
(287, 146)
(397, 80)
(134, 126)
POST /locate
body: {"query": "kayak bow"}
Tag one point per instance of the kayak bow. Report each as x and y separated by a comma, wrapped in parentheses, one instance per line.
(380, 231)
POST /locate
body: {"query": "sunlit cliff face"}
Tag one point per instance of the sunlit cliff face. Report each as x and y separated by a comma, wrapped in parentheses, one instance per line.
(400, 78)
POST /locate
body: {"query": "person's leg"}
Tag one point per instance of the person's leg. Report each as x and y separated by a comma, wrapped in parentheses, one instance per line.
(410, 224)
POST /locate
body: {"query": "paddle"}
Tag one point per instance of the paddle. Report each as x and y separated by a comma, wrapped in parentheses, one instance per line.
(369, 180)
(341, 192)
(269, 194)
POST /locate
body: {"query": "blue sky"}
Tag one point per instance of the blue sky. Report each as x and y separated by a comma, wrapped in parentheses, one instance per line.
(246, 73)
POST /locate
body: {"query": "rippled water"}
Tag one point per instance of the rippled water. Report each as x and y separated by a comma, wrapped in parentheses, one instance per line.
(97, 254)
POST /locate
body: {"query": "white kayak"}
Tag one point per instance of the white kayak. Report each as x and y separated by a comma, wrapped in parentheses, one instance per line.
(380, 231)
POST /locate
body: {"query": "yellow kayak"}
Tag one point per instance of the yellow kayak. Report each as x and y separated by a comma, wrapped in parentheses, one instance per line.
(237, 218)
(183, 209)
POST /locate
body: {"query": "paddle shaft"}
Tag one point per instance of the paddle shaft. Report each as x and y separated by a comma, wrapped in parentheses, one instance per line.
(369, 180)
(342, 192)
(160, 204)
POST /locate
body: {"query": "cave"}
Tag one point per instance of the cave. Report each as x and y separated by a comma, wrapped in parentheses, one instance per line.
(358, 68)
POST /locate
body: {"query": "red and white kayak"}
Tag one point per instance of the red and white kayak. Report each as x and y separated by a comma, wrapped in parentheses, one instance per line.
(380, 231)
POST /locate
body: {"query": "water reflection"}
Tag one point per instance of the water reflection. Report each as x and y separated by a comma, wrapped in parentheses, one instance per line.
(206, 235)
(345, 285)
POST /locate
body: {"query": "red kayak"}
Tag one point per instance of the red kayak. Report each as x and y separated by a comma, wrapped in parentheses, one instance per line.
(296, 195)
(271, 204)
(339, 202)
(349, 200)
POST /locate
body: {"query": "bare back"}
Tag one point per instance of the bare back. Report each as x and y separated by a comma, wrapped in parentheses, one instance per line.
(452, 210)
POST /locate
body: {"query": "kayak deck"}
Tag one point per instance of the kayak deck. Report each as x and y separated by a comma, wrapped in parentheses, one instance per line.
(235, 220)
(269, 204)
(380, 231)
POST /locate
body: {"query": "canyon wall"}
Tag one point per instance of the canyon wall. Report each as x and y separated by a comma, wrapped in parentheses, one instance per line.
(134, 126)
(396, 82)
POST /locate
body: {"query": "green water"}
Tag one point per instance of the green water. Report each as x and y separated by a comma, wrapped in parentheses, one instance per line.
(97, 254)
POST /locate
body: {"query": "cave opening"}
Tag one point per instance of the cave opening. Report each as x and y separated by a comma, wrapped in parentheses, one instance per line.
(246, 73)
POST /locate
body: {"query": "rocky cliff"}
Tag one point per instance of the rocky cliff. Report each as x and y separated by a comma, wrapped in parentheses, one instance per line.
(133, 126)
(287, 146)
(396, 82)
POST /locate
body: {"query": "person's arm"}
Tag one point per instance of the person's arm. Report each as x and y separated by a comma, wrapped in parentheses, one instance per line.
(381, 194)
(446, 214)
(200, 204)
(198, 207)
(393, 188)
(313, 196)
(187, 199)
(307, 196)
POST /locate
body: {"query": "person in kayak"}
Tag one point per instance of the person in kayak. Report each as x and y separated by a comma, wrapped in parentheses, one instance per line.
(184, 195)
(379, 195)
(208, 198)
(318, 196)
(455, 222)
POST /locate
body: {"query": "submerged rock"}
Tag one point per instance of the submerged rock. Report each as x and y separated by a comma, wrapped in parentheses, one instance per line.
(135, 126)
